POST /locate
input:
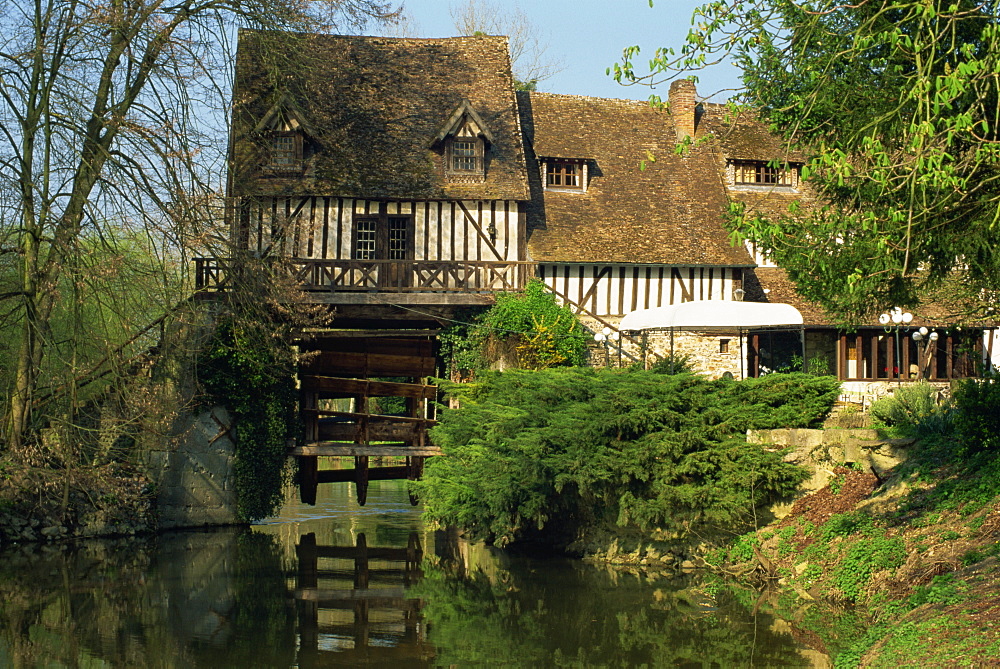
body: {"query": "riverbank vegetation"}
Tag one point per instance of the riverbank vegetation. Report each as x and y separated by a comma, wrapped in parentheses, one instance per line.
(910, 560)
(554, 453)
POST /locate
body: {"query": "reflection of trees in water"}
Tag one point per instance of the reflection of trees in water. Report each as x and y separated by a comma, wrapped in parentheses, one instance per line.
(201, 599)
(536, 613)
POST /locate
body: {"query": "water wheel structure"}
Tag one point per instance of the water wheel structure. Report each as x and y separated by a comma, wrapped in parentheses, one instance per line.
(365, 395)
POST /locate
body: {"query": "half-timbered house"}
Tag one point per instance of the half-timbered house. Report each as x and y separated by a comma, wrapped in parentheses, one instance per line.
(399, 179)
(388, 172)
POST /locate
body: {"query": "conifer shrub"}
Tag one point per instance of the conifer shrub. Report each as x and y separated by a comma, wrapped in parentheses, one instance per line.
(977, 420)
(914, 409)
(559, 449)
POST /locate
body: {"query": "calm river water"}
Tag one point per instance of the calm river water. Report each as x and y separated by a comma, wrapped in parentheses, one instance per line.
(343, 585)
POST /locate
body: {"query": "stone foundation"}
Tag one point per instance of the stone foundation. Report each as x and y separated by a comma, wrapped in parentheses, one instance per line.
(193, 472)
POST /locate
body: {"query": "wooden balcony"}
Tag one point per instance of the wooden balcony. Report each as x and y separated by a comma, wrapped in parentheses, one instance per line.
(384, 281)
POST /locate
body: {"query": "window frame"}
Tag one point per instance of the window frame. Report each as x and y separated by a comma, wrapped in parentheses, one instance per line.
(293, 160)
(763, 174)
(556, 168)
(478, 157)
(381, 237)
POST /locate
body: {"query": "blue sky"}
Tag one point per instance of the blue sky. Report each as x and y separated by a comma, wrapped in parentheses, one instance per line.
(588, 36)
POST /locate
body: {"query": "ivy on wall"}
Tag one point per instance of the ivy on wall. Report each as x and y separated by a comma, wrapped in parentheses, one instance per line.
(251, 372)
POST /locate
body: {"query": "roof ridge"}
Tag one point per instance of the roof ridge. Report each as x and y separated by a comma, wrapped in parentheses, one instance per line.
(624, 101)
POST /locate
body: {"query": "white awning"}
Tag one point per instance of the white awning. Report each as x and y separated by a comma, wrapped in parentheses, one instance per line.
(702, 314)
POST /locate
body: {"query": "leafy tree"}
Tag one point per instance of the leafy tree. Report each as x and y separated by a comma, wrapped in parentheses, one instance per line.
(527, 330)
(566, 448)
(111, 114)
(896, 102)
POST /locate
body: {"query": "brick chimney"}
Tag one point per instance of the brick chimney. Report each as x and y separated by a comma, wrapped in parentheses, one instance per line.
(682, 107)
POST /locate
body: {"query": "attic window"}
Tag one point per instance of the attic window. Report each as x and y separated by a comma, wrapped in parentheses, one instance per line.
(764, 173)
(286, 153)
(464, 156)
(564, 174)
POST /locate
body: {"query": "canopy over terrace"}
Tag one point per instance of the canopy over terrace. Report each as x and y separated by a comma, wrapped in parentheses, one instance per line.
(715, 316)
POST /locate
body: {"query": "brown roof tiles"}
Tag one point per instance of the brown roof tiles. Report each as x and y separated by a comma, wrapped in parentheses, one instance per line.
(671, 212)
(375, 106)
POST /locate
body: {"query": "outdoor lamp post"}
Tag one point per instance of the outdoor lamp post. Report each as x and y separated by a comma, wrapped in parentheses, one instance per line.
(602, 338)
(898, 319)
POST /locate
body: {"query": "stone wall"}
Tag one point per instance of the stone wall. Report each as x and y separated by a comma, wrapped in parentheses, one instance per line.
(186, 448)
(712, 354)
(193, 471)
(822, 451)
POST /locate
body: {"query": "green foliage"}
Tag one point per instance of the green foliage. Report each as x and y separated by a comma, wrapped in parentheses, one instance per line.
(864, 557)
(563, 448)
(742, 548)
(977, 422)
(915, 410)
(897, 105)
(846, 524)
(527, 330)
(250, 372)
(678, 363)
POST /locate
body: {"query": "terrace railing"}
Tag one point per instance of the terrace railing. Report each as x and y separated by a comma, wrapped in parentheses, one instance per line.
(392, 276)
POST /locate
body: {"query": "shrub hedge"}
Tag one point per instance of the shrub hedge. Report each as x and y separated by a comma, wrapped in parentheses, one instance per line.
(560, 448)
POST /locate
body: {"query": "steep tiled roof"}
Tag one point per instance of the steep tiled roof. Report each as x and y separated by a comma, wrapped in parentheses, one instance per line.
(374, 106)
(942, 306)
(742, 136)
(670, 213)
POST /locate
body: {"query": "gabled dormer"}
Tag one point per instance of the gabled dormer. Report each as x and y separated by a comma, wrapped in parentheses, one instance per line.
(284, 138)
(464, 142)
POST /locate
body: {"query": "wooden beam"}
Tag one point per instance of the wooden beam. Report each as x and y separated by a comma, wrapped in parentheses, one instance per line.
(314, 336)
(335, 449)
(369, 416)
(374, 474)
(428, 299)
(372, 553)
(414, 345)
(367, 431)
(350, 363)
(343, 387)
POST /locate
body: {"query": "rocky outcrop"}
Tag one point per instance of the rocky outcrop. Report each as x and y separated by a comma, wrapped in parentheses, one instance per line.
(821, 451)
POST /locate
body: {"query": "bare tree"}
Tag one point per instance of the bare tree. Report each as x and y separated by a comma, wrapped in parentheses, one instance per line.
(528, 53)
(112, 116)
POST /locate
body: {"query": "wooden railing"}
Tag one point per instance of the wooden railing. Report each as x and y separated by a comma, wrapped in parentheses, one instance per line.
(392, 276)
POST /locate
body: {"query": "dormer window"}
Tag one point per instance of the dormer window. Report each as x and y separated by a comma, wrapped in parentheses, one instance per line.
(282, 133)
(286, 153)
(465, 155)
(464, 141)
(763, 173)
(564, 174)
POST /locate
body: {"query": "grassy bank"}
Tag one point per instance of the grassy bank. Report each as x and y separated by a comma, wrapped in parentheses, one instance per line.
(900, 570)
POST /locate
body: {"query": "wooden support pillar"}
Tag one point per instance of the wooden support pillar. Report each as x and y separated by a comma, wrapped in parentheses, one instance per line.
(306, 578)
(859, 358)
(308, 478)
(414, 470)
(361, 478)
(362, 576)
(949, 348)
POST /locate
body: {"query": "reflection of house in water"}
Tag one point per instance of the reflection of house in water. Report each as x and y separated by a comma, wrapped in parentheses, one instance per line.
(353, 605)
